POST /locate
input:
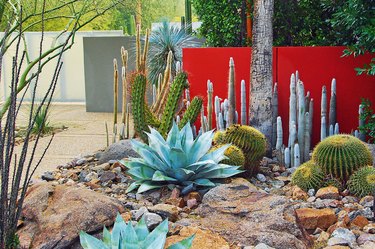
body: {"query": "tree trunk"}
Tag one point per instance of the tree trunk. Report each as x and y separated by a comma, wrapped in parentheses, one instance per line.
(261, 68)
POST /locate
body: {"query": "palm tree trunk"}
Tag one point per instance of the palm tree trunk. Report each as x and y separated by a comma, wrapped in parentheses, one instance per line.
(261, 68)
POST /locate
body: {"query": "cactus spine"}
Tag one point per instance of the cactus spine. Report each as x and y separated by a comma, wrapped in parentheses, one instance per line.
(275, 113)
(279, 140)
(308, 176)
(192, 112)
(243, 103)
(332, 104)
(362, 182)
(210, 90)
(231, 94)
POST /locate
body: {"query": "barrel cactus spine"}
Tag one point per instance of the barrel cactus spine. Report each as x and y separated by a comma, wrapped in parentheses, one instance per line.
(234, 155)
(362, 182)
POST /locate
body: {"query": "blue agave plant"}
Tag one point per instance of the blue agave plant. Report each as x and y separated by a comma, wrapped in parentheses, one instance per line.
(178, 160)
(125, 236)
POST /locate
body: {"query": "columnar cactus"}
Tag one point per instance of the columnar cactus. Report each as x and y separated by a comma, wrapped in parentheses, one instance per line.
(279, 140)
(138, 106)
(192, 111)
(287, 157)
(308, 176)
(275, 113)
(243, 103)
(311, 115)
(115, 99)
(217, 111)
(231, 93)
(307, 142)
(293, 136)
(292, 108)
(341, 155)
(323, 108)
(297, 155)
(301, 117)
(210, 90)
(362, 134)
(124, 58)
(337, 131)
(323, 129)
(332, 104)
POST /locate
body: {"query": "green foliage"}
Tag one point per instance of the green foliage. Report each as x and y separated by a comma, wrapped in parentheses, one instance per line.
(192, 112)
(362, 182)
(357, 19)
(341, 155)
(178, 160)
(41, 121)
(368, 116)
(126, 236)
(221, 22)
(308, 176)
(177, 87)
(234, 155)
(138, 105)
(13, 242)
(162, 40)
(251, 141)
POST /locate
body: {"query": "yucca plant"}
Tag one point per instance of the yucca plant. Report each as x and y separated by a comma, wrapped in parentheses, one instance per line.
(179, 160)
(164, 39)
(125, 236)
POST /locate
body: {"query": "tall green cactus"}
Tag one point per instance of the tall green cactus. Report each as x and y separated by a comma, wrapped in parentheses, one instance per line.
(192, 111)
(210, 91)
(332, 104)
(138, 105)
(231, 94)
(176, 90)
(341, 155)
(188, 25)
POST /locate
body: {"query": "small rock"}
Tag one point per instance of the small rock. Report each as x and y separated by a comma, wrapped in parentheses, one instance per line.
(101, 167)
(192, 203)
(48, 176)
(299, 194)
(370, 228)
(194, 195)
(323, 237)
(311, 192)
(311, 199)
(368, 245)
(175, 193)
(261, 178)
(367, 201)
(152, 220)
(263, 246)
(107, 176)
(365, 237)
(360, 221)
(178, 202)
(311, 218)
(80, 162)
(277, 184)
(137, 214)
(342, 216)
(340, 235)
(91, 176)
(329, 192)
(166, 211)
(291, 170)
(275, 167)
(117, 151)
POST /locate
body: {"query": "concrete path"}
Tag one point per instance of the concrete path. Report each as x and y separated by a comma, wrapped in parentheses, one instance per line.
(85, 134)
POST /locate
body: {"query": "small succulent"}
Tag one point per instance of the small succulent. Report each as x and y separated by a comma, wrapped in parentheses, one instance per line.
(341, 155)
(362, 182)
(125, 236)
(308, 176)
(178, 160)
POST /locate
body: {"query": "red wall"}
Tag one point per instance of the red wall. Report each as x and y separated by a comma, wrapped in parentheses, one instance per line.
(316, 65)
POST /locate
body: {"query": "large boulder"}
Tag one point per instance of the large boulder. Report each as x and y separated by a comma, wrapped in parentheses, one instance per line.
(245, 215)
(54, 215)
(117, 151)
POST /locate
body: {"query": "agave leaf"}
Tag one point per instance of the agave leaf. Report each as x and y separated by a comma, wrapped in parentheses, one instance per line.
(160, 177)
(141, 229)
(90, 242)
(156, 136)
(178, 158)
(133, 186)
(196, 167)
(129, 237)
(217, 155)
(141, 173)
(118, 228)
(173, 135)
(106, 237)
(200, 147)
(187, 138)
(220, 171)
(161, 150)
(154, 159)
(183, 244)
(158, 243)
(161, 229)
(204, 182)
(148, 185)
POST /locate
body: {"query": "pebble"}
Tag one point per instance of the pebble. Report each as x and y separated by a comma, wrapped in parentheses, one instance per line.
(152, 220)
(311, 192)
(261, 177)
(48, 176)
(137, 214)
(342, 236)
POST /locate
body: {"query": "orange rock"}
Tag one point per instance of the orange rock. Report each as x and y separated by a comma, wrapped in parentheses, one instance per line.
(343, 216)
(126, 216)
(194, 195)
(311, 218)
(360, 221)
(341, 224)
(204, 239)
(329, 192)
(299, 194)
(178, 202)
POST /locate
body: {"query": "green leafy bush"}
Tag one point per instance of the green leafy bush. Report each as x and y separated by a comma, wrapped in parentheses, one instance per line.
(368, 116)
(178, 160)
(125, 236)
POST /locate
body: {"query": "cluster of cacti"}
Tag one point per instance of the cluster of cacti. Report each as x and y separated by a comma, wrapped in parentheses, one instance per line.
(251, 141)
(362, 182)
(308, 176)
(235, 155)
(341, 155)
(328, 125)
